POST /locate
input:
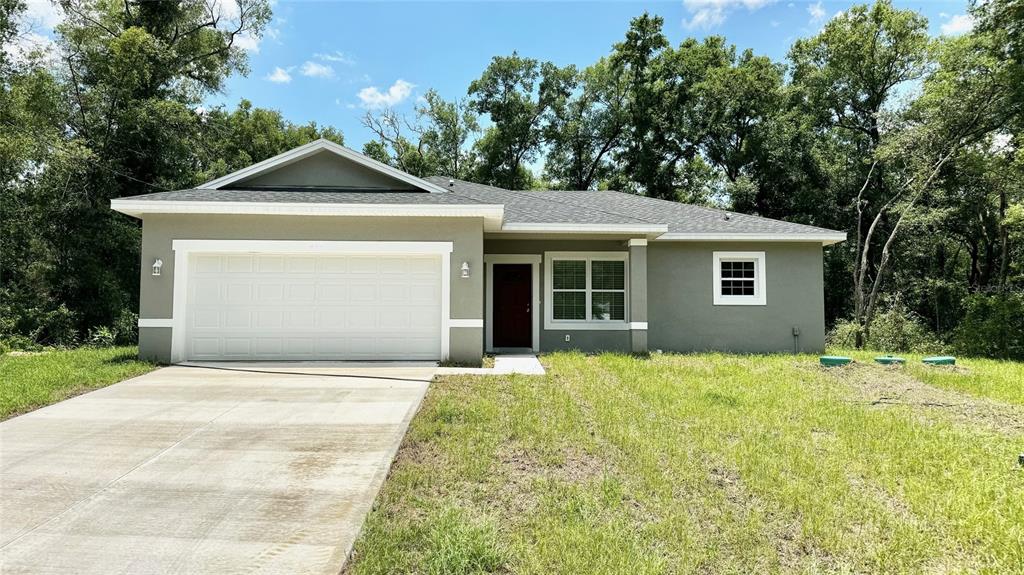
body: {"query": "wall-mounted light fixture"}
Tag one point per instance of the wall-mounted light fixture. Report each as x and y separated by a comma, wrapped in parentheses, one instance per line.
(465, 269)
(157, 265)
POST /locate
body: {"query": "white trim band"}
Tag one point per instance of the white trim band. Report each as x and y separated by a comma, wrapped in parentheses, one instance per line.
(826, 238)
(637, 242)
(574, 228)
(492, 213)
(153, 322)
(465, 322)
(638, 325)
(313, 246)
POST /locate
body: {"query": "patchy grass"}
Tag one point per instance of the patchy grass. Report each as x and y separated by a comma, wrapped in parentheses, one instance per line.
(995, 379)
(34, 380)
(695, 464)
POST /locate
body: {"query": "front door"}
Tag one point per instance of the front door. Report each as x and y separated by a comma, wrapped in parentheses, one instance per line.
(513, 301)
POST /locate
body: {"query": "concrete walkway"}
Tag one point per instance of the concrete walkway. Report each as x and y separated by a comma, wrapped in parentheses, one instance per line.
(526, 363)
(218, 469)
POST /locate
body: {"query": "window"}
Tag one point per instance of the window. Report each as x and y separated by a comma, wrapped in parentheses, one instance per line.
(739, 278)
(586, 288)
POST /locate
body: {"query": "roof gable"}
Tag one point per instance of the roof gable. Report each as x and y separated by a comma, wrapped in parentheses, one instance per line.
(323, 164)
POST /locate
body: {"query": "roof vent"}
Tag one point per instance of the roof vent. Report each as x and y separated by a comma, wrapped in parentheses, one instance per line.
(725, 217)
(451, 183)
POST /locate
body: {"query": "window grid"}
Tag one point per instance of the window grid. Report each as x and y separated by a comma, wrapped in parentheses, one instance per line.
(738, 277)
(602, 290)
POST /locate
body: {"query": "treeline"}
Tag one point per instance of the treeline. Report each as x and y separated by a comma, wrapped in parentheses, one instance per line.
(911, 144)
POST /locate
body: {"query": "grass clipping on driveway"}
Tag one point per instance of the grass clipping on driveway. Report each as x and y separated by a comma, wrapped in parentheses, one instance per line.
(31, 381)
(696, 464)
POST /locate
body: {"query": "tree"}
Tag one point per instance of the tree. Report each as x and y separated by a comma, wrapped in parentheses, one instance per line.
(122, 121)
(589, 130)
(435, 143)
(966, 98)
(231, 140)
(846, 75)
(518, 95)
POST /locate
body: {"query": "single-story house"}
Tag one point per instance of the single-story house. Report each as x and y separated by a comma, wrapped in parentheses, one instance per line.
(322, 253)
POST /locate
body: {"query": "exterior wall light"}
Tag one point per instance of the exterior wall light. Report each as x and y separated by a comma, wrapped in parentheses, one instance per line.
(157, 265)
(465, 269)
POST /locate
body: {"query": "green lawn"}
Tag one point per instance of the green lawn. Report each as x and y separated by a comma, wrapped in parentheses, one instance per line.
(28, 382)
(702, 464)
(995, 379)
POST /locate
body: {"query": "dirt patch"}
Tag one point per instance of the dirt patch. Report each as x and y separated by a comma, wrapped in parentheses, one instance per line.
(884, 387)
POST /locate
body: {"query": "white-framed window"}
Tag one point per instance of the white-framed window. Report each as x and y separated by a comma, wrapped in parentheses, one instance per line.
(739, 278)
(586, 290)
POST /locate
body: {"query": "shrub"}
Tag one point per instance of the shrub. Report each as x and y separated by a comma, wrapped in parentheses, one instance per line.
(993, 326)
(58, 327)
(894, 329)
(126, 328)
(101, 336)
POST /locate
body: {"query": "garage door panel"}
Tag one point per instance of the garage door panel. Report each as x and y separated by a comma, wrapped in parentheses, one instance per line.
(281, 307)
(269, 264)
(238, 264)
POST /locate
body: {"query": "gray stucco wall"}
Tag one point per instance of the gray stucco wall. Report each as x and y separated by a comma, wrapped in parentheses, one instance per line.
(554, 340)
(159, 231)
(325, 169)
(683, 316)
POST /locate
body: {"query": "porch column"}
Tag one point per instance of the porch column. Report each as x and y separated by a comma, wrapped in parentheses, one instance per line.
(638, 295)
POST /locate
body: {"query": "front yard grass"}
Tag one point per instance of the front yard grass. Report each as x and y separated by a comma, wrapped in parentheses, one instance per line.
(992, 378)
(34, 380)
(701, 464)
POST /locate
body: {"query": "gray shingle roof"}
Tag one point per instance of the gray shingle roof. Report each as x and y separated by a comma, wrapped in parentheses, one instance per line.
(682, 218)
(525, 207)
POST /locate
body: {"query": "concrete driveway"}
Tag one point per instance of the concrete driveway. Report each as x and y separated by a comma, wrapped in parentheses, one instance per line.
(216, 469)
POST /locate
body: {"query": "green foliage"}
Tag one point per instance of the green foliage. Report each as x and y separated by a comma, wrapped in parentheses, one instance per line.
(992, 326)
(896, 329)
(101, 336)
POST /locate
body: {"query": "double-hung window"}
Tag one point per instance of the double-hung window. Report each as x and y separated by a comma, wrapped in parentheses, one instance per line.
(587, 289)
(739, 278)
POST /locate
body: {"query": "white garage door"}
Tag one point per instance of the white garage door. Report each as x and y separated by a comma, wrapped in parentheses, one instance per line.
(313, 307)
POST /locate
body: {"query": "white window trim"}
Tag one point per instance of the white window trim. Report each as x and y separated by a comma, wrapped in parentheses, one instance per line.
(185, 248)
(584, 324)
(760, 296)
(489, 261)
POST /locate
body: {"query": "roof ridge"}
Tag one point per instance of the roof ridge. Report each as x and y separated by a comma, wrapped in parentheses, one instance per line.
(574, 205)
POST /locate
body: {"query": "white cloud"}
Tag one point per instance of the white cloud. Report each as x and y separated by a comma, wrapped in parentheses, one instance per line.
(248, 43)
(315, 70)
(711, 13)
(279, 76)
(373, 98)
(336, 56)
(817, 12)
(43, 14)
(958, 24)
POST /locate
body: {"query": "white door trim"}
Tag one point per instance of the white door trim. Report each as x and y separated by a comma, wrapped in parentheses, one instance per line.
(534, 260)
(184, 248)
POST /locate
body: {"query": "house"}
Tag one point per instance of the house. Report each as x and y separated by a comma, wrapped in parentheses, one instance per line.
(321, 253)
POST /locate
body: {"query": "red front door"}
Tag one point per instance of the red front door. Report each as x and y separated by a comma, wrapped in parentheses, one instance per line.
(512, 306)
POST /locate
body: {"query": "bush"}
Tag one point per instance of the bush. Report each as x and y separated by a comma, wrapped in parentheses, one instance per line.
(895, 329)
(58, 328)
(101, 336)
(126, 328)
(993, 326)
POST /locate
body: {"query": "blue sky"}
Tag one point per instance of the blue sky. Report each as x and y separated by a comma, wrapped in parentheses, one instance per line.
(330, 61)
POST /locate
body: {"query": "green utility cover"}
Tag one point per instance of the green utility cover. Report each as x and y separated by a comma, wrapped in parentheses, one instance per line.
(890, 360)
(834, 360)
(940, 360)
